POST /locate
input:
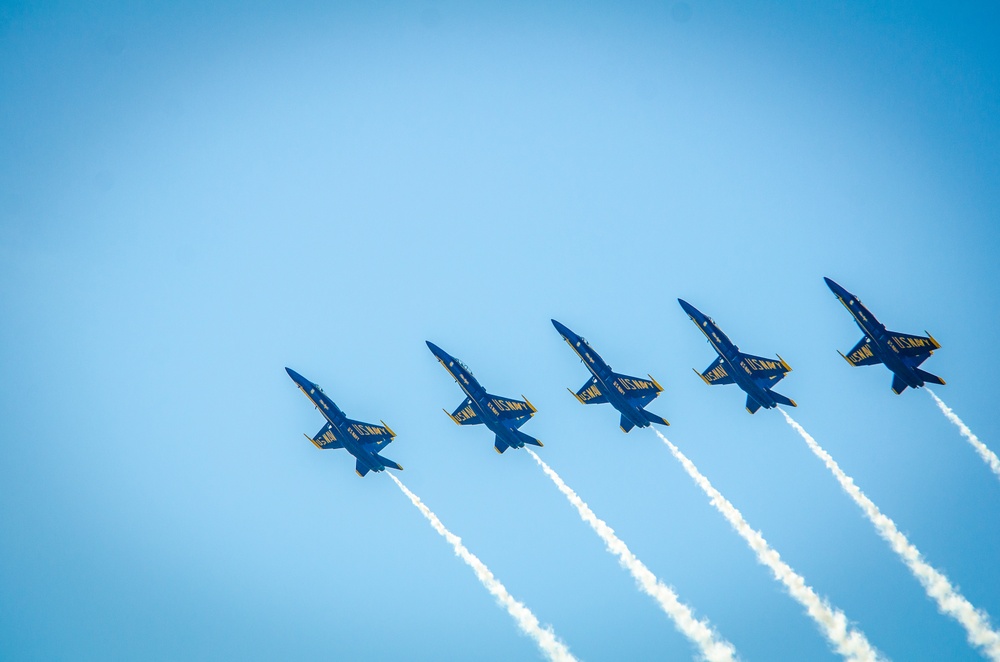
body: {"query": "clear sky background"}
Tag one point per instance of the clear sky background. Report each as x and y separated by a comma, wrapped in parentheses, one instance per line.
(194, 197)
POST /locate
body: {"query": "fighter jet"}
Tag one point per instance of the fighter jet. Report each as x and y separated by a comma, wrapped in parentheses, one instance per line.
(362, 440)
(501, 415)
(754, 374)
(899, 352)
(626, 394)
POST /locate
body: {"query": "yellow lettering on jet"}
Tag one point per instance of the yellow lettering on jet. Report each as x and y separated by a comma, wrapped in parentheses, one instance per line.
(465, 414)
(716, 373)
(861, 354)
(590, 393)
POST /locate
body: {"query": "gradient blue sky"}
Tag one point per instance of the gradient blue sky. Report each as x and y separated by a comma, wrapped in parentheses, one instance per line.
(195, 197)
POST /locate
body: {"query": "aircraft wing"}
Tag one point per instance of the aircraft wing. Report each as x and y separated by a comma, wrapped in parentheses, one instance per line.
(862, 354)
(326, 439)
(913, 345)
(764, 369)
(505, 408)
(636, 389)
(716, 373)
(465, 414)
(366, 433)
(590, 393)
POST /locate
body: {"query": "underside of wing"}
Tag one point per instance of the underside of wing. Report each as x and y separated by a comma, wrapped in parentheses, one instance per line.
(913, 345)
(505, 408)
(862, 354)
(366, 434)
(590, 393)
(762, 370)
(716, 373)
(465, 414)
(325, 438)
(636, 390)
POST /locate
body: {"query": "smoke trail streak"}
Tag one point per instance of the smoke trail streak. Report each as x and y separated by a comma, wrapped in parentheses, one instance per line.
(544, 637)
(989, 457)
(711, 646)
(850, 643)
(937, 586)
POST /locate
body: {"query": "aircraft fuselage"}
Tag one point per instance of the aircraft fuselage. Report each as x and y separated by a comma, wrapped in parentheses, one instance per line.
(486, 407)
(881, 344)
(337, 420)
(602, 372)
(737, 365)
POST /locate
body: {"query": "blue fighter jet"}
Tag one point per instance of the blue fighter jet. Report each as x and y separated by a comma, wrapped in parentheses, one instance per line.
(899, 352)
(626, 394)
(501, 415)
(362, 440)
(754, 374)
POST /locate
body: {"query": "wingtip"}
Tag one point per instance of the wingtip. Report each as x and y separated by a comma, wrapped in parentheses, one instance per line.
(655, 383)
(787, 367)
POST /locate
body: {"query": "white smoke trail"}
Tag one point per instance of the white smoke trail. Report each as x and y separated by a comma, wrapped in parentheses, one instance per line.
(949, 600)
(989, 457)
(712, 646)
(850, 643)
(544, 637)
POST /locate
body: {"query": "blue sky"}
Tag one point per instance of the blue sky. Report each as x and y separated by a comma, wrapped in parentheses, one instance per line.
(195, 197)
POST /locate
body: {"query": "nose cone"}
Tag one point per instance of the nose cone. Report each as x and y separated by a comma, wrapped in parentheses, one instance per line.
(562, 329)
(296, 377)
(837, 289)
(437, 351)
(689, 309)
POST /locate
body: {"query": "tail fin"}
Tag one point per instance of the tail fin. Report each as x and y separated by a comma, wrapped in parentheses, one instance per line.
(898, 385)
(500, 445)
(653, 418)
(782, 400)
(928, 377)
(752, 405)
(361, 468)
(526, 438)
(626, 424)
(388, 463)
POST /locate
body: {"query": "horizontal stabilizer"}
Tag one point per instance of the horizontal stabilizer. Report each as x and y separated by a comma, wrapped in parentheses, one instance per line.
(928, 377)
(752, 405)
(782, 400)
(524, 438)
(653, 418)
(361, 468)
(388, 463)
(626, 424)
(500, 445)
(898, 385)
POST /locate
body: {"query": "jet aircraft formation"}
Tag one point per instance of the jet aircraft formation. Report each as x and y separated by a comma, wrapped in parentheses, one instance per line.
(755, 375)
